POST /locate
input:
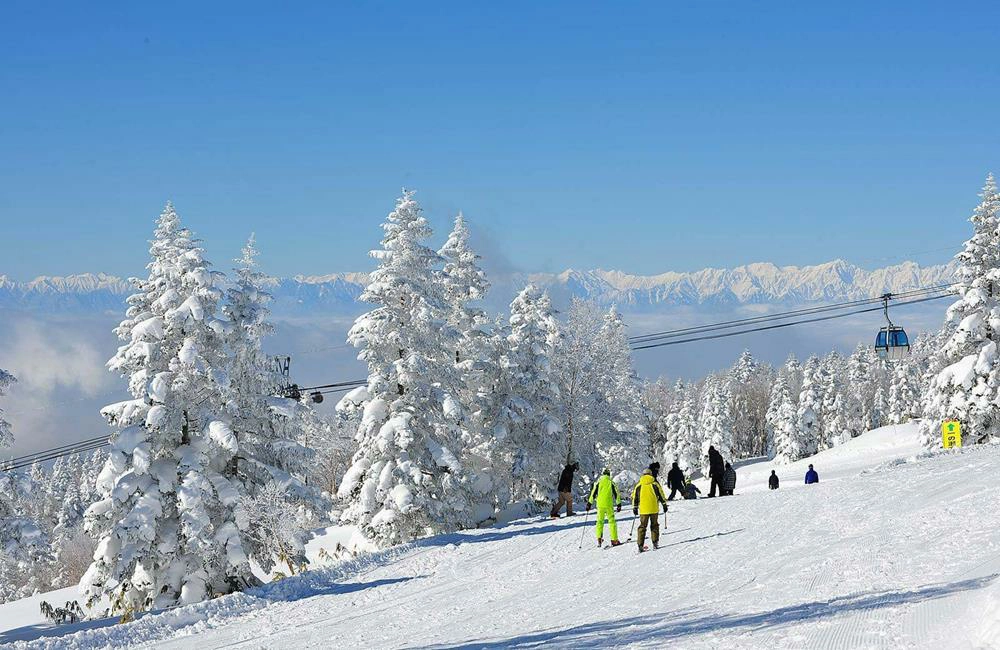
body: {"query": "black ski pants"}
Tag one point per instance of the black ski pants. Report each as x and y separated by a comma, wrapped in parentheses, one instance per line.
(716, 483)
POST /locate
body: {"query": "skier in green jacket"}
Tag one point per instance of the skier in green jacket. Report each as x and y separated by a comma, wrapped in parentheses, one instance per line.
(608, 499)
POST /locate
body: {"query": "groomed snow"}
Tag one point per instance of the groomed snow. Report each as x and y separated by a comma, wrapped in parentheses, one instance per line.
(892, 549)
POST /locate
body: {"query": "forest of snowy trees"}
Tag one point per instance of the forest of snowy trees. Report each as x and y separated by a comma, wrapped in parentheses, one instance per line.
(466, 417)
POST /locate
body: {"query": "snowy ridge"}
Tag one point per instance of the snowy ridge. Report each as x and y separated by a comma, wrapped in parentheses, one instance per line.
(759, 283)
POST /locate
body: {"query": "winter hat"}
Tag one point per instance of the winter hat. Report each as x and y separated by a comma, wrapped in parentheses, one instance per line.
(607, 471)
(647, 472)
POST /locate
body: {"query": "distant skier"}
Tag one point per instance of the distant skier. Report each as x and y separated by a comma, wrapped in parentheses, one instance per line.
(675, 481)
(811, 476)
(728, 480)
(772, 482)
(565, 489)
(654, 467)
(609, 500)
(691, 490)
(646, 500)
(715, 471)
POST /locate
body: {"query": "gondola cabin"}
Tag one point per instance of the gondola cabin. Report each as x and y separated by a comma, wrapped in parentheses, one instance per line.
(892, 344)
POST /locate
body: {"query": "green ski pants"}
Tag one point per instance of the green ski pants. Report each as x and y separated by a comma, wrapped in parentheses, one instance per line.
(608, 512)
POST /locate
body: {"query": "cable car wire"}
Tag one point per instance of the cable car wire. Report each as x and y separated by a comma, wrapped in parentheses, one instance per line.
(780, 325)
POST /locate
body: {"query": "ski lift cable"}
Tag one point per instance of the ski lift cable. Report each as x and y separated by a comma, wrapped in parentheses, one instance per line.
(780, 325)
(645, 338)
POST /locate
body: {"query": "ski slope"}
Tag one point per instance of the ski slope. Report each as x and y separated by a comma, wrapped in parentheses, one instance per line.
(892, 549)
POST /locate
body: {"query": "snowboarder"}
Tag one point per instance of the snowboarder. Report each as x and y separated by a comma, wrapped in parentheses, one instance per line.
(715, 471)
(565, 489)
(675, 481)
(728, 480)
(654, 467)
(772, 482)
(811, 476)
(646, 500)
(609, 500)
(691, 490)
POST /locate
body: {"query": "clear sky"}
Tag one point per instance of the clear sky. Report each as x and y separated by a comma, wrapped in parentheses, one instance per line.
(640, 136)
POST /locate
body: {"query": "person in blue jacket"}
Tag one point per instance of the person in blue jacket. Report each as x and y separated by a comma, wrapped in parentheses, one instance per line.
(811, 476)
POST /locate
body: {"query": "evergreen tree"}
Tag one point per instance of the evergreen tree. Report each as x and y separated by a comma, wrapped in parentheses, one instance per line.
(526, 421)
(716, 421)
(810, 406)
(167, 519)
(267, 429)
(688, 446)
(406, 479)
(787, 441)
(966, 388)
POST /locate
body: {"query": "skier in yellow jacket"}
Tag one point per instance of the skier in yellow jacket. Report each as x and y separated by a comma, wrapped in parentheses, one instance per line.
(608, 499)
(646, 500)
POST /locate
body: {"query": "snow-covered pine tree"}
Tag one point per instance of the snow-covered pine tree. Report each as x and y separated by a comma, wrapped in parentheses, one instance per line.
(688, 446)
(166, 517)
(810, 408)
(716, 421)
(465, 286)
(406, 480)
(966, 388)
(784, 419)
(904, 393)
(833, 423)
(267, 428)
(526, 420)
(578, 363)
(750, 386)
(622, 437)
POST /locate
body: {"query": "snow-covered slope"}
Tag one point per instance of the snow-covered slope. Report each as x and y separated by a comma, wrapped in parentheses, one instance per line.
(889, 550)
(751, 284)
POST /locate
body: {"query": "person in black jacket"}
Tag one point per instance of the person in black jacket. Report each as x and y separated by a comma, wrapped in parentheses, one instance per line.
(654, 467)
(716, 469)
(565, 489)
(728, 480)
(675, 481)
(772, 482)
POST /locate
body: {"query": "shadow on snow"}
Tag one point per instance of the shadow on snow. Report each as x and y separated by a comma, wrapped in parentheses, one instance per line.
(686, 623)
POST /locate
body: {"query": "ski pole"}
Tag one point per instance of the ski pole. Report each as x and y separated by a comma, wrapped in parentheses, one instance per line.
(584, 531)
(632, 528)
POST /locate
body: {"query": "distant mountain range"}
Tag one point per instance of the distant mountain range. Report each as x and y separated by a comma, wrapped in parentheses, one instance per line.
(338, 293)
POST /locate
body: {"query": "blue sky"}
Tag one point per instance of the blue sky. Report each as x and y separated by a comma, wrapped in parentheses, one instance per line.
(645, 137)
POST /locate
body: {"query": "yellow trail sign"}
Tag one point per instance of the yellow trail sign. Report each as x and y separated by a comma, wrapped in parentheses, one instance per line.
(951, 434)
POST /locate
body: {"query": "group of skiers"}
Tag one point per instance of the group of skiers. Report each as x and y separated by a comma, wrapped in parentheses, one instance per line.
(648, 495)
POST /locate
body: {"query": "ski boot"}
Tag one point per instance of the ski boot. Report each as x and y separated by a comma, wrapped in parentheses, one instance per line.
(600, 542)
(615, 542)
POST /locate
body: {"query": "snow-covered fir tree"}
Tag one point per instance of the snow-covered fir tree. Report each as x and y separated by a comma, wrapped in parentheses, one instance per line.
(810, 408)
(268, 429)
(168, 521)
(784, 419)
(623, 436)
(527, 425)
(716, 421)
(904, 393)
(687, 449)
(966, 387)
(406, 480)
(476, 358)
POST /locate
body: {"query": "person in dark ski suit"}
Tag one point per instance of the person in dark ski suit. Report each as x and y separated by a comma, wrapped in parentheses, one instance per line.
(772, 482)
(728, 480)
(716, 470)
(675, 481)
(691, 490)
(811, 476)
(647, 497)
(654, 467)
(565, 489)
